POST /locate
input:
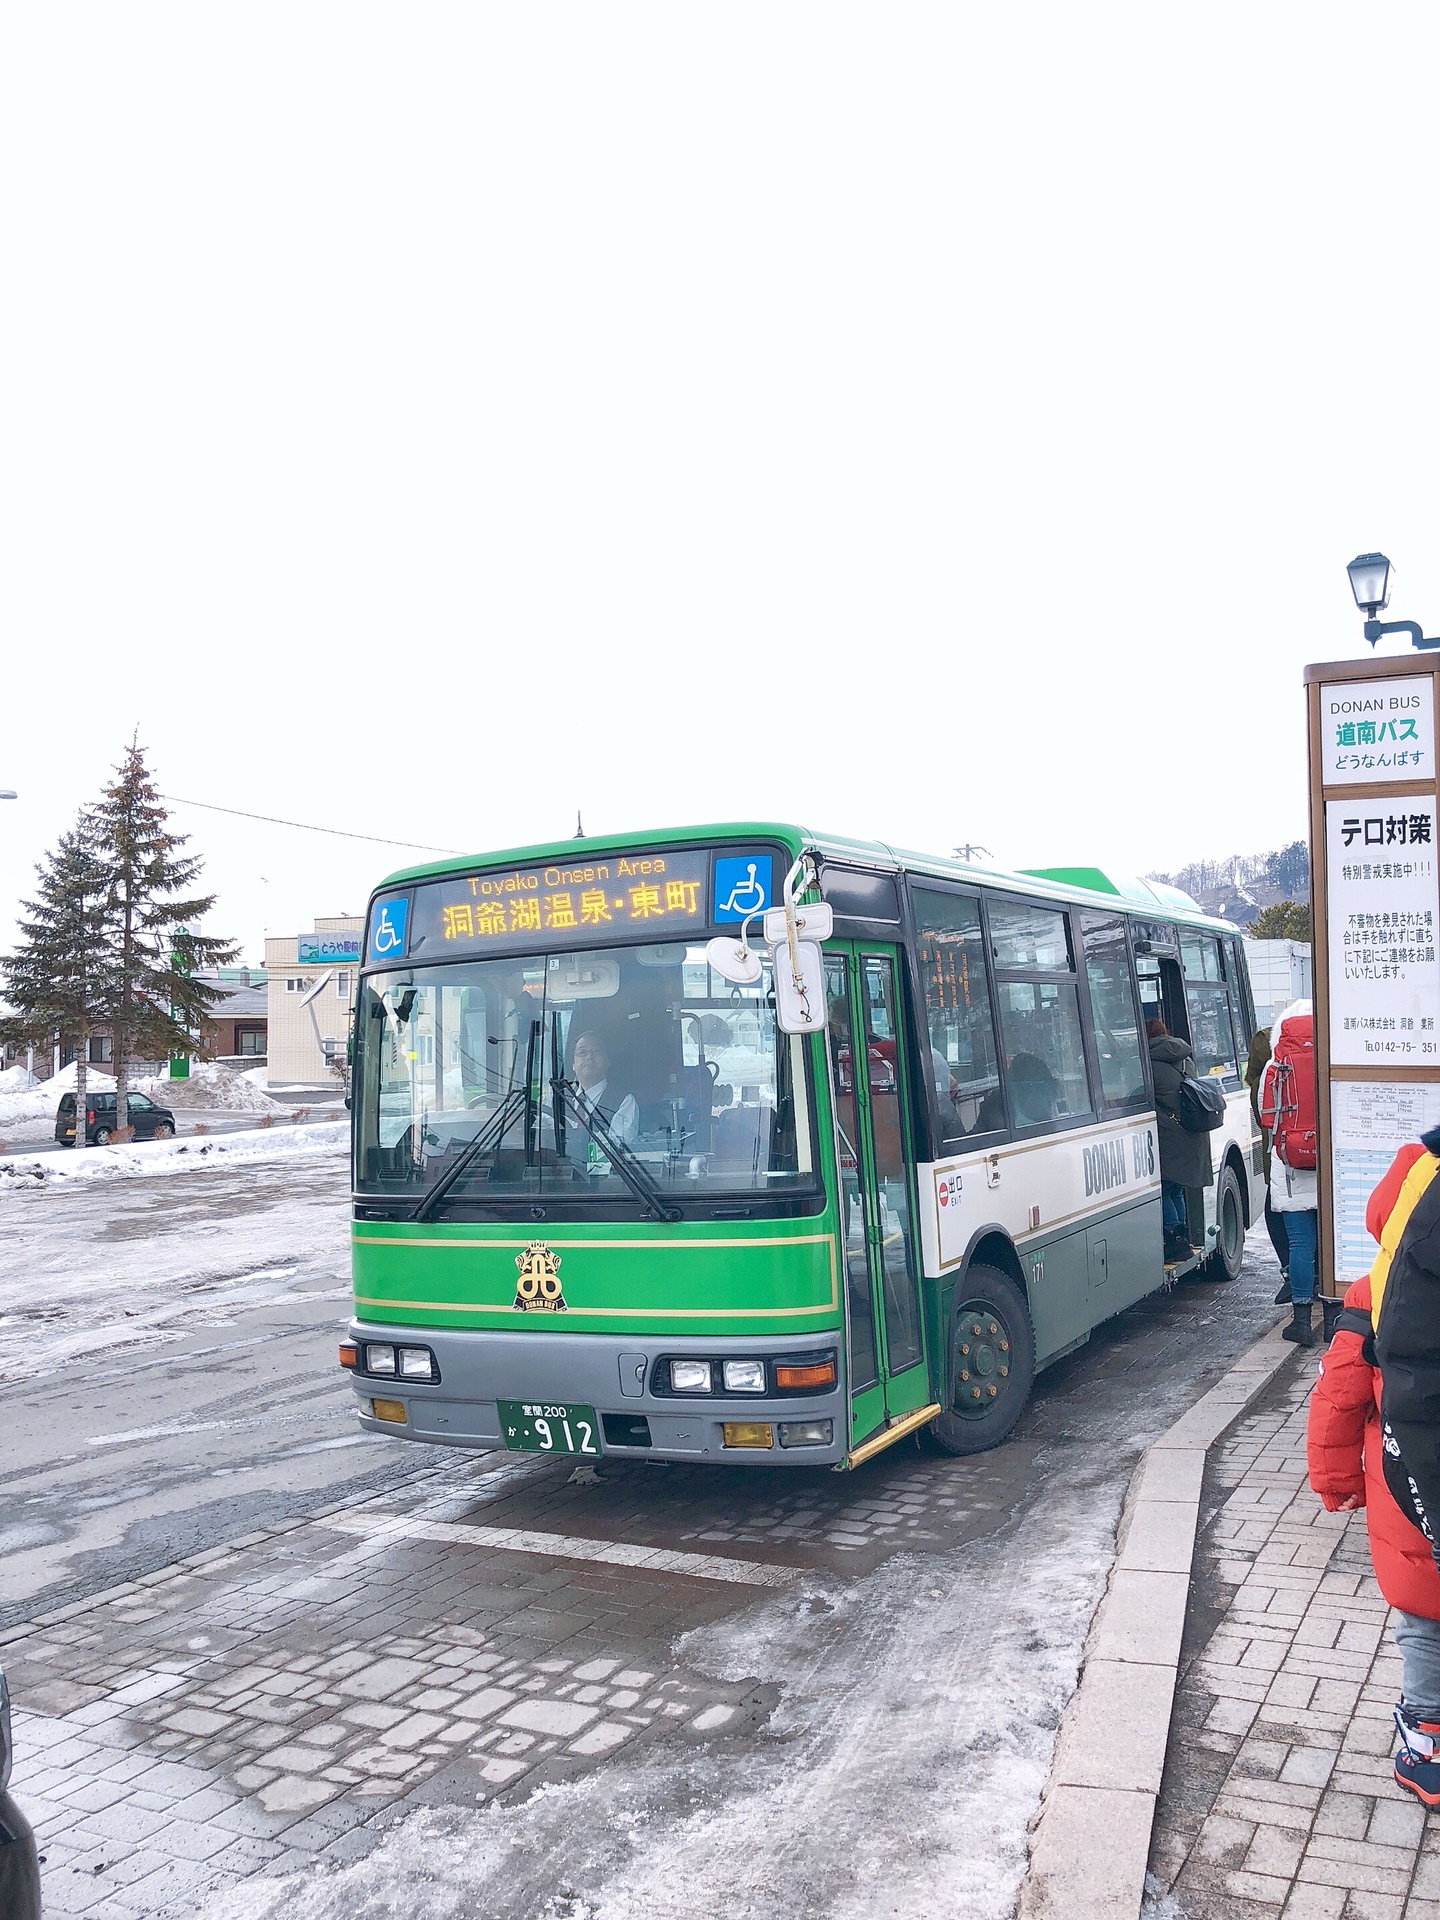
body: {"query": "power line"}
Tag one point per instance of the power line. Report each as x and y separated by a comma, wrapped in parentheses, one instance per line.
(336, 833)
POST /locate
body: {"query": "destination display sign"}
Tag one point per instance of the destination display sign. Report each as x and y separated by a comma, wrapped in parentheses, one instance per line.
(589, 901)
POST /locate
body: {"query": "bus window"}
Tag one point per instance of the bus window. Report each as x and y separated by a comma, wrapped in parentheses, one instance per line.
(1039, 1015)
(1029, 938)
(1212, 1033)
(1200, 956)
(1044, 1054)
(1242, 1004)
(958, 1015)
(1113, 1011)
(860, 1308)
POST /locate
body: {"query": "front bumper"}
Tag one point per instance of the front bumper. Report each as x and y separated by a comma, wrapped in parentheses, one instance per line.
(598, 1370)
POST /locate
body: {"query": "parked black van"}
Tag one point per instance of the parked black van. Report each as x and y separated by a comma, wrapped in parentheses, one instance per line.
(149, 1121)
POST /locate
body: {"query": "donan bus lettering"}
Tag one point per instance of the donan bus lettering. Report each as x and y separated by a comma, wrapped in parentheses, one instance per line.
(1371, 733)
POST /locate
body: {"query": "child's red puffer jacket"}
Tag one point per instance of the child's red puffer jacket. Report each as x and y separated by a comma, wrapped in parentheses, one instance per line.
(1342, 1436)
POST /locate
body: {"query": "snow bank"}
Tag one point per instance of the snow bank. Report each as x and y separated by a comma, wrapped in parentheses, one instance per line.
(16, 1079)
(210, 1085)
(64, 1082)
(26, 1173)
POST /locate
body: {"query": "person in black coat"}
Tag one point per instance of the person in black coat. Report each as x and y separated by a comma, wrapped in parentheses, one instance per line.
(1184, 1156)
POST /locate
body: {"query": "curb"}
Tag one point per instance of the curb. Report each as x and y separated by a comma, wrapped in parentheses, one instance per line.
(1090, 1844)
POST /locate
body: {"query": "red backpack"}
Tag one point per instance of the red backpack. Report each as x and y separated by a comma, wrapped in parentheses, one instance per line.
(1287, 1094)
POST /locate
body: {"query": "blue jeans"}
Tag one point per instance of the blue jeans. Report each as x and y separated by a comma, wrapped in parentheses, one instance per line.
(1300, 1230)
(1419, 1642)
(1172, 1207)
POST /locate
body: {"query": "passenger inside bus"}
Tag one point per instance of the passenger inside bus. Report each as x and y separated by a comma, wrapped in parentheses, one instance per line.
(1034, 1096)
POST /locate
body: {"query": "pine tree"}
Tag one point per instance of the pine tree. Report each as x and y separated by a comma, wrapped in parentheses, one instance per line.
(59, 982)
(151, 918)
(1285, 920)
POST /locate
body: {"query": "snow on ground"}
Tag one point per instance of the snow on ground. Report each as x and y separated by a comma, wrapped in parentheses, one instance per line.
(897, 1776)
(94, 1265)
(15, 1079)
(211, 1085)
(24, 1173)
(28, 1112)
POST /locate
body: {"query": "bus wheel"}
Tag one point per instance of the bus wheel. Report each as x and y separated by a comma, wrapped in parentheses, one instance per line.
(992, 1364)
(1225, 1262)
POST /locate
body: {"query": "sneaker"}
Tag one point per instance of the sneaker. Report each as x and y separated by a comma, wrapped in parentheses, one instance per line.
(1417, 1764)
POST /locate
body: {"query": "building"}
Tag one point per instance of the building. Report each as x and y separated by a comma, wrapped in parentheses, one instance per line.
(1280, 971)
(235, 1028)
(311, 1001)
(233, 1031)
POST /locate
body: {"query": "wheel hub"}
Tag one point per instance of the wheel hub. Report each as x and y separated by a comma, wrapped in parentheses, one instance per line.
(982, 1361)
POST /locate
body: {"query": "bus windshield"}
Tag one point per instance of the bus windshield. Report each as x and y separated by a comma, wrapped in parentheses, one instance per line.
(608, 1075)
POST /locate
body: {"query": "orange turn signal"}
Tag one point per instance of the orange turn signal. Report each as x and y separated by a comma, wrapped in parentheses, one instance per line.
(349, 1355)
(820, 1373)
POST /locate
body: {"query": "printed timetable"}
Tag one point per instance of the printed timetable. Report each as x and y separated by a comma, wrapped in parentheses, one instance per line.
(1370, 1121)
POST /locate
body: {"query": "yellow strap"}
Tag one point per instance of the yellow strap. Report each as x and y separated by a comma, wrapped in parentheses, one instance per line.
(1414, 1184)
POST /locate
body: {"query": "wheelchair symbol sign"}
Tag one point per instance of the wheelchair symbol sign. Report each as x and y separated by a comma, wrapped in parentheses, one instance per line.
(388, 920)
(742, 886)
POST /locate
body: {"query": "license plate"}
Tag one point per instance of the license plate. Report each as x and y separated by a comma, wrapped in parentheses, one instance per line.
(537, 1426)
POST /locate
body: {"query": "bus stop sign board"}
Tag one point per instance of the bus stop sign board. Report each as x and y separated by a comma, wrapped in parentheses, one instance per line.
(1375, 895)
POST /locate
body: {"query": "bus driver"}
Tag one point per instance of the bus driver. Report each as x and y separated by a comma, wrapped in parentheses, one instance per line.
(590, 1064)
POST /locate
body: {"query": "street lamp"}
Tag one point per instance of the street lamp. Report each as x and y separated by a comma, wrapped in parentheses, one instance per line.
(1370, 577)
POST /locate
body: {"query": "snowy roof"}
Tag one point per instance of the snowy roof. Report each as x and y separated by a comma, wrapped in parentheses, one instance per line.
(245, 1003)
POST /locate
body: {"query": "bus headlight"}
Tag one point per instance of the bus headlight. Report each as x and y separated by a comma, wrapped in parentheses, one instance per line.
(416, 1364)
(744, 1376)
(690, 1376)
(379, 1359)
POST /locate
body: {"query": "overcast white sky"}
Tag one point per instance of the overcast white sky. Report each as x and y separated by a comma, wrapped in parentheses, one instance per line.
(932, 423)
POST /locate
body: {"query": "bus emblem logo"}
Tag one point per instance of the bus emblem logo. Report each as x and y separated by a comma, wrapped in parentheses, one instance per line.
(538, 1288)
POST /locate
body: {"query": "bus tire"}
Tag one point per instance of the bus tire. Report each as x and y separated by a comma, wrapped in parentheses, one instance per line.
(992, 1369)
(1225, 1262)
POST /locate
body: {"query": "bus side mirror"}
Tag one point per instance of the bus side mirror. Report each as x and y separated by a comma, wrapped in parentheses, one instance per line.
(799, 988)
(734, 961)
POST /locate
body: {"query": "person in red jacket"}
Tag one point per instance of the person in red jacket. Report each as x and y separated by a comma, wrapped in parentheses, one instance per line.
(1345, 1455)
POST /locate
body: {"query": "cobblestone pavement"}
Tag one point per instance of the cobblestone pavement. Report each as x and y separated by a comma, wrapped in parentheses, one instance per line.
(641, 1681)
(1278, 1797)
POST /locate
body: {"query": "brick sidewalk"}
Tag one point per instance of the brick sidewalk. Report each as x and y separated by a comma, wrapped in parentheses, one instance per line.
(1278, 1798)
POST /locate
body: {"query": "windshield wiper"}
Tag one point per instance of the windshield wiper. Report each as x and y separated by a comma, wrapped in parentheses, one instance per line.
(516, 1102)
(630, 1169)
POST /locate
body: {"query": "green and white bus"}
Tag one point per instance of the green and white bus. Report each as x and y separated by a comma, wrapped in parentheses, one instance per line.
(605, 1203)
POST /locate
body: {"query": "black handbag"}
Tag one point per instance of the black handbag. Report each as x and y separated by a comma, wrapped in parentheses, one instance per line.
(1200, 1107)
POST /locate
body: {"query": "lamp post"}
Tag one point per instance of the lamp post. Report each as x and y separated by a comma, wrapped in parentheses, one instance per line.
(1370, 580)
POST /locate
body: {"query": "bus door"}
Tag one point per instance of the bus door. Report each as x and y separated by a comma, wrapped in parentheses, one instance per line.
(873, 1152)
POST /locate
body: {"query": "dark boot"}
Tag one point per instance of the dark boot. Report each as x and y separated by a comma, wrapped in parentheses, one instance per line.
(1300, 1330)
(1282, 1298)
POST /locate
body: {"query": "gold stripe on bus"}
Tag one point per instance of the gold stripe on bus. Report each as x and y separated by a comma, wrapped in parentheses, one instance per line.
(832, 1305)
(615, 1313)
(650, 1246)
